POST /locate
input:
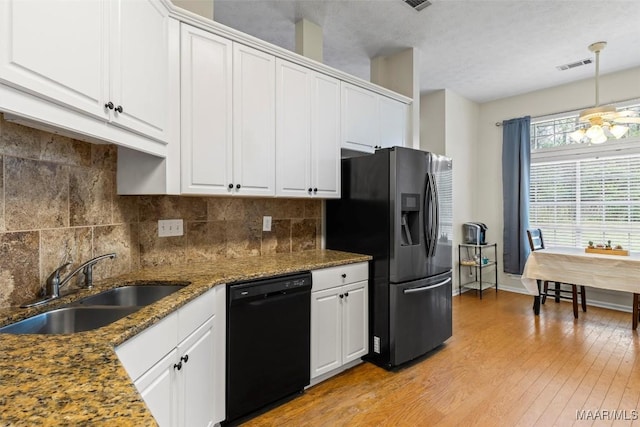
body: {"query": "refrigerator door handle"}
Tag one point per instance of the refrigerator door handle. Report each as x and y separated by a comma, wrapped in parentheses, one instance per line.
(426, 288)
(431, 220)
(435, 223)
(427, 215)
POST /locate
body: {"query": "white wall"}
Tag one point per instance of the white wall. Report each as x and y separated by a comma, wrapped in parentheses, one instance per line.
(448, 126)
(400, 73)
(488, 208)
(433, 122)
(199, 7)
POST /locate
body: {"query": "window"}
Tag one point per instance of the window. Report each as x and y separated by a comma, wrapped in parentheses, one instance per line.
(580, 192)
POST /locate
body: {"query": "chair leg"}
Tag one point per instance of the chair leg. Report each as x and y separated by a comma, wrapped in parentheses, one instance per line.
(544, 295)
(574, 295)
(583, 298)
(557, 291)
(636, 303)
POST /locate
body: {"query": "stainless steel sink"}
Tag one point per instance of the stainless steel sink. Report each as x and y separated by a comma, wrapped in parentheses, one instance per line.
(139, 295)
(68, 320)
(93, 312)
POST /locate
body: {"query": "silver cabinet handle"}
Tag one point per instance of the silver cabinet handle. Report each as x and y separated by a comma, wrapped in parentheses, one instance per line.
(426, 288)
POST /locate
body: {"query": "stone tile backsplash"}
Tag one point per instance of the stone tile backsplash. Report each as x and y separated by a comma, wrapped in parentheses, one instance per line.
(58, 203)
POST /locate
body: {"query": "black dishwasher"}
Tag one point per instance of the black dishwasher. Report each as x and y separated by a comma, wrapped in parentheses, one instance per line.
(268, 342)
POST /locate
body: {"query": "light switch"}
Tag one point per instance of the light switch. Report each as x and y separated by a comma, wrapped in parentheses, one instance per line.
(266, 223)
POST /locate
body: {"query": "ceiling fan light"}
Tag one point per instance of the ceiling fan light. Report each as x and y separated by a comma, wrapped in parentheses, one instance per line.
(618, 131)
(594, 132)
(577, 135)
(599, 139)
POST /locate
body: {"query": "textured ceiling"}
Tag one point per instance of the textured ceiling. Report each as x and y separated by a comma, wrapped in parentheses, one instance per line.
(481, 49)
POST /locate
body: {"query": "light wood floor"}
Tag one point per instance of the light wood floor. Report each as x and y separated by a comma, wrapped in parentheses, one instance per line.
(502, 367)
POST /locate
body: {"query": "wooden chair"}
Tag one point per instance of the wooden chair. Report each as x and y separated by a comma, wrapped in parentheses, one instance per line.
(536, 242)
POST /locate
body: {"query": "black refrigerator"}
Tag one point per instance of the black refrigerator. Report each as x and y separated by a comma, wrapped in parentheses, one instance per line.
(396, 205)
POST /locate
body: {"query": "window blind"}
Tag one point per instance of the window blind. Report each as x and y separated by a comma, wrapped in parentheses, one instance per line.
(582, 200)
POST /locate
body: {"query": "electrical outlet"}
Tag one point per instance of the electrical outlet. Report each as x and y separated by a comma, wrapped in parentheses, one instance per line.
(170, 227)
(266, 223)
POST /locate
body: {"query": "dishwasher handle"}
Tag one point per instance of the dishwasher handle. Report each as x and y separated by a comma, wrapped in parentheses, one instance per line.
(426, 288)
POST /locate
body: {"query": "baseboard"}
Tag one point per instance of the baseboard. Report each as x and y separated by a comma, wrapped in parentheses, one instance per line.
(590, 301)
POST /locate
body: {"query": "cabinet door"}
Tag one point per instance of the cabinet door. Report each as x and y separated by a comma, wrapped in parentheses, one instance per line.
(293, 129)
(197, 377)
(393, 122)
(158, 389)
(355, 331)
(326, 331)
(325, 136)
(56, 50)
(206, 85)
(140, 66)
(359, 118)
(253, 122)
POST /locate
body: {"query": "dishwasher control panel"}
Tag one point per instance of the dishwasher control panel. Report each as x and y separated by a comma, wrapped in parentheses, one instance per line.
(270, 286)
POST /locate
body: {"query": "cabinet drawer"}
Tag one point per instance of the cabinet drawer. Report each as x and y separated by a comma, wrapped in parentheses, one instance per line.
(196, 312)
(340, 275)
(157, 341)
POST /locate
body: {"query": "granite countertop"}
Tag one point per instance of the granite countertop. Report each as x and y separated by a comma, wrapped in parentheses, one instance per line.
(78, 379)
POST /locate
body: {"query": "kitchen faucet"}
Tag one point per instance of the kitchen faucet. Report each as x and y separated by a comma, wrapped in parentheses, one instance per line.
(54, 284)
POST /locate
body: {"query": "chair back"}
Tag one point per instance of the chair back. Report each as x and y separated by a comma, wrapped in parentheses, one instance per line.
(535, 239)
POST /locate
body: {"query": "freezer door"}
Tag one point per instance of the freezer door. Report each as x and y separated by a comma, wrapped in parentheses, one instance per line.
(420, 317)
(407, 252)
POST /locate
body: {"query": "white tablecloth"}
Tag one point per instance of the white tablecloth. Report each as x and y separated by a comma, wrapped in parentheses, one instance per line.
(575, 266)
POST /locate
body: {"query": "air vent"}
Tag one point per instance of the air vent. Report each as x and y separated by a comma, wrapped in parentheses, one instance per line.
(418, 4)
(574, 64)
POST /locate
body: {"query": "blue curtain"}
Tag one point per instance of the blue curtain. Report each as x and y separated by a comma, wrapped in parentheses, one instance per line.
(516, 162)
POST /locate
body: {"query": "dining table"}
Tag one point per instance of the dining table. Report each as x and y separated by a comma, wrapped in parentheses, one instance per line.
(576, 266)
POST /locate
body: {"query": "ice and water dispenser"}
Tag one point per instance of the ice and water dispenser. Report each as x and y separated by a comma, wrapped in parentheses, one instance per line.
(410, 219)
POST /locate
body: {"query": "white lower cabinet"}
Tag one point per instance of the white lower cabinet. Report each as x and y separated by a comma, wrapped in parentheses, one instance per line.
(158, 388)
(196, 377)
(339, 319)
(178, 364)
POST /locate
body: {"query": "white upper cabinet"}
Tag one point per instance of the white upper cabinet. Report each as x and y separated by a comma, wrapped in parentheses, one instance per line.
(227, 116)
(393, 122)
(96, 61)
(371, 121)
(206, 112)
(57, 50)
(325, 136)
(359, 118)
(254, 121)
(293, 129)
(307, 132)
(140, 62)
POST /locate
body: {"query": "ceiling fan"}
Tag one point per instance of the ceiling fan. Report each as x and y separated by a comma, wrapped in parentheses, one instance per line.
(600, 122)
